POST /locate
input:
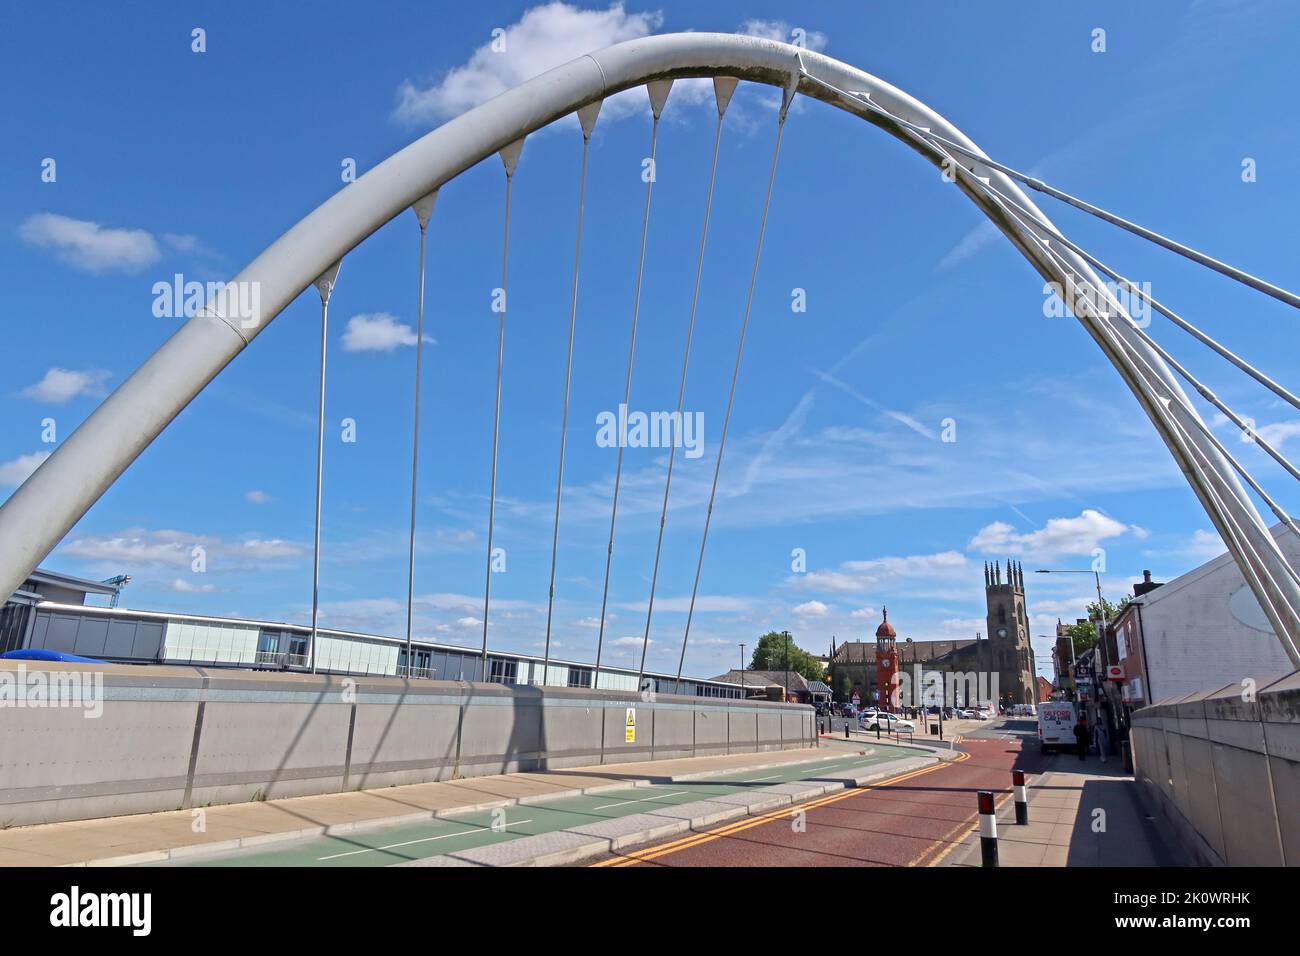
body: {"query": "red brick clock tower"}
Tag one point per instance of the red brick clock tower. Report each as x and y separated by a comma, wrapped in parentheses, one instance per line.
(886, 665)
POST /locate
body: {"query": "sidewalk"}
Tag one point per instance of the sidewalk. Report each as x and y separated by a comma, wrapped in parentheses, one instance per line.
(1081, 813)
(170, 835)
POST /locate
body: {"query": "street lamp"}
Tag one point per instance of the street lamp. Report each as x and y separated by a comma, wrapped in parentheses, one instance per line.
(787, 665)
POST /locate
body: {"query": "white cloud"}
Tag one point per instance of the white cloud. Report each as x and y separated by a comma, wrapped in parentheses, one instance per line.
(703, 602)
(1204, 545)
(88, 245)
(810, 609)
(1078, 535)
(61, 385)
(136, 547)
(188, 587)
(856, 576)
(379, 332)
(15, 472)
(865, 612)
(258, 497)
(783, 32)
(544, 37)
(270, 549)
(1278, 433)
(549, 35)
(187, 244)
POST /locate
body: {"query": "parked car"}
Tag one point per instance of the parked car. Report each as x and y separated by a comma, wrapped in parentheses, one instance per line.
(887, 722)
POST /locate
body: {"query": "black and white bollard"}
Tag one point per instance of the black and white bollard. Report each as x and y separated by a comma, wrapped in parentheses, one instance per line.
(1022, 797)
(988, 829)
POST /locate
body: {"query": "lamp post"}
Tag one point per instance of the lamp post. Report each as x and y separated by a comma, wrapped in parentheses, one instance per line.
(743, 691)
(786, 634)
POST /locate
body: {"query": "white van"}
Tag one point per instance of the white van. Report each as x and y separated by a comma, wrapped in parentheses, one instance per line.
(1056, 719)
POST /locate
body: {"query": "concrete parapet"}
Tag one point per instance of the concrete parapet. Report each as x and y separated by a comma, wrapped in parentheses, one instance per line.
(1220, 771)
(150, 738)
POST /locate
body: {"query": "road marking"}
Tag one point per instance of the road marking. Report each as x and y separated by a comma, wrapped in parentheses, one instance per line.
(954, 844)
(394, 846)
(657, 796)
(709, 836)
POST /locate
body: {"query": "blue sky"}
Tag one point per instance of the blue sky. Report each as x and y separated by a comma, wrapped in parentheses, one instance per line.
(170, 161)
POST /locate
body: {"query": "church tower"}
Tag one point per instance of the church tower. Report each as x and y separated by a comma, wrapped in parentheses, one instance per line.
(1010, 654)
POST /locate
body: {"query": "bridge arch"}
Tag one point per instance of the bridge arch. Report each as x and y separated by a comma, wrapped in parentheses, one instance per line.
(45, 507)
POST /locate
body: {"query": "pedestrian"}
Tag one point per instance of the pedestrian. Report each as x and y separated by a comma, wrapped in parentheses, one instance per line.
(1081, 737)
(1103, 740)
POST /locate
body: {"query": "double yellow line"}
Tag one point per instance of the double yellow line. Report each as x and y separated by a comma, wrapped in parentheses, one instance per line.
(708, 836)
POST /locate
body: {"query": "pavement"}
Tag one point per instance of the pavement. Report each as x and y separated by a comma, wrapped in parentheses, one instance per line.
(1081, 813)
(259, 831)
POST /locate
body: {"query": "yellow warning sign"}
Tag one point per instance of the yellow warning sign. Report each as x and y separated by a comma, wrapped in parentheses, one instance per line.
(630, 731)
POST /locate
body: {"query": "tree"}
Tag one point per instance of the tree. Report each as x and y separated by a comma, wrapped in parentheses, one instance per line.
(770, 655)
(1084, 635)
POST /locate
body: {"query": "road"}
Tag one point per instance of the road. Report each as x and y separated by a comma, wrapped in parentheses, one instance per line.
(464, 831)
(912, 820)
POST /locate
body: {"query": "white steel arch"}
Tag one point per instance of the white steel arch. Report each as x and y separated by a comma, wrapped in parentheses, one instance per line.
(62, 489)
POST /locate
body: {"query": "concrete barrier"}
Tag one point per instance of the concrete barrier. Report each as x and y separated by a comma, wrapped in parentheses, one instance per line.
(162, 738)
(1219, 770)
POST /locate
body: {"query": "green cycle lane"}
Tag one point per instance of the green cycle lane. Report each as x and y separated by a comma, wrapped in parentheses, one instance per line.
(438, 835)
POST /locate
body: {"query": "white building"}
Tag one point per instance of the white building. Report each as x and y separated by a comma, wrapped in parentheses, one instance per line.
(1204, 629)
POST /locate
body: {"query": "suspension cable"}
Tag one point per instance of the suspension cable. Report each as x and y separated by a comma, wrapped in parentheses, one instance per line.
(325, 286)
(1164, 406)
(1037, 224)
(728, 85)
(423, 209)
(929, 138)
(510, 158)
(787, 99)
(1028, 221)
(1184, 407)
(1021, 214)
(658, 90)
(1260, 285)
(587, 117)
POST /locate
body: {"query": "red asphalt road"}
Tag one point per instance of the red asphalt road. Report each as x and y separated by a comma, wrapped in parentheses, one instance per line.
(907, 823)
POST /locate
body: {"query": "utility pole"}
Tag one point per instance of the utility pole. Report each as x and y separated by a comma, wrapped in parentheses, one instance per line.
(744, 692)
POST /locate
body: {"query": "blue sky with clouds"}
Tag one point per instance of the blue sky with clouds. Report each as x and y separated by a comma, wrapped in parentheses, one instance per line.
(170, 161)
